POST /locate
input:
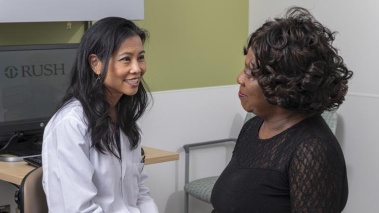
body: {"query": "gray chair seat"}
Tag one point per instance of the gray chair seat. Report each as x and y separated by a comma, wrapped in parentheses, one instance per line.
(201, 188)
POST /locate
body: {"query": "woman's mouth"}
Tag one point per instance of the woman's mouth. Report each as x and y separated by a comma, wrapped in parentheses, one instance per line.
(134, 81)
(240, 94)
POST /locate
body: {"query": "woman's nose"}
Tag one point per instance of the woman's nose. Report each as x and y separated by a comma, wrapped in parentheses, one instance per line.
(240, 78)
(136, 68)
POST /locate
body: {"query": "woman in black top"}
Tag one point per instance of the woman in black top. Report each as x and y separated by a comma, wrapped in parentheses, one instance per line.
(286, 158)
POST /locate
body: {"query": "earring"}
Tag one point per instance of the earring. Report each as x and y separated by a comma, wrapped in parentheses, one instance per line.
(98, 78)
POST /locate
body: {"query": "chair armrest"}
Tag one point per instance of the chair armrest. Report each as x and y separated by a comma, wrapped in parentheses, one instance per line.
(187, 147)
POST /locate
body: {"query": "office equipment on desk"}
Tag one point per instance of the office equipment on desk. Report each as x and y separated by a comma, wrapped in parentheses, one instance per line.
(35, 161)
(12, 158)
(21, 148)
(34, 81)
(202, 188)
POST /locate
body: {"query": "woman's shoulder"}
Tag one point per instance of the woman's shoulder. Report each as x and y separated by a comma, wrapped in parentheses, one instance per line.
(316, 128)
(71, 108)
(72, 111)
(314, 134)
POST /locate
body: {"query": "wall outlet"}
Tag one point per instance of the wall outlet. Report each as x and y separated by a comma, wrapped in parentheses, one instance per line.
(5, 209)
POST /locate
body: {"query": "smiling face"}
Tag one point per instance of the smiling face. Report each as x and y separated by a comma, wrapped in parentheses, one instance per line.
(250, 93)
(125, 69)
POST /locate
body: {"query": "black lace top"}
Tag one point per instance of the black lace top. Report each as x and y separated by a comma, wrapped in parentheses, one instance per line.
(299, 170)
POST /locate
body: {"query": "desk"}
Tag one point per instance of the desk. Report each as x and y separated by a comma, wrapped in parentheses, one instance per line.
(14, 172)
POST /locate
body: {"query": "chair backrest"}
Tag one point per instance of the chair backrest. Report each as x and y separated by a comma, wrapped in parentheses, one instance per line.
(331, 119)
(248, 116)
(31, 197)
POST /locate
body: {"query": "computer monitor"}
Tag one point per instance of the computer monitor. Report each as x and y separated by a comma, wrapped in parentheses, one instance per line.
(33, 79)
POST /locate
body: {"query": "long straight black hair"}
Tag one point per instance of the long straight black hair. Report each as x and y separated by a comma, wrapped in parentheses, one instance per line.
(103, 39)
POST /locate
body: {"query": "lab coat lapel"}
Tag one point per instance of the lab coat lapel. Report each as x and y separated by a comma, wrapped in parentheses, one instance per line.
(125, 153)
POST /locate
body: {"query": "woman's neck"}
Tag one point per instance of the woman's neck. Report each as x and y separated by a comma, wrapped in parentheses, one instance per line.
(274, 125)
(112, 101)
(113, 114)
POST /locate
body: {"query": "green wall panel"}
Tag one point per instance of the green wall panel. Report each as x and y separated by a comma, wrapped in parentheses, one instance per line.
(193, 43)
(40, 33)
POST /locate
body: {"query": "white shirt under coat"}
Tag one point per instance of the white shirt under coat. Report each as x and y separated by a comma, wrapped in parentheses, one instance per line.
(78, 178)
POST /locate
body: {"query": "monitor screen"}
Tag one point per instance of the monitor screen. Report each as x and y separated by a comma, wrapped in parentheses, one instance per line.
(33, 79)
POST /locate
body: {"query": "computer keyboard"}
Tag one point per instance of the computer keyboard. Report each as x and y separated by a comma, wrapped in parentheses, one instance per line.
(25, 147)
(35, 161)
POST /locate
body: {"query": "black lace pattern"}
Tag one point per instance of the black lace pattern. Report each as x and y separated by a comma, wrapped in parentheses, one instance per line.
(301, 169)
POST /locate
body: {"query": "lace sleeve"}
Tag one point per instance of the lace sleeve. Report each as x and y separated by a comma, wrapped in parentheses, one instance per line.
(316, 178)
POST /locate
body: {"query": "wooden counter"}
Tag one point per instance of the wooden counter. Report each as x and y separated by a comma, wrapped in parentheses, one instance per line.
(14, 172)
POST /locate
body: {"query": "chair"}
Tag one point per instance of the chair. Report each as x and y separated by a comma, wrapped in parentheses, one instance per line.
(30, 196)
(202, 188)
(331, 119)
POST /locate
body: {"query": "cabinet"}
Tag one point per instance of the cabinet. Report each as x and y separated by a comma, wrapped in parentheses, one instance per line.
(68, 10)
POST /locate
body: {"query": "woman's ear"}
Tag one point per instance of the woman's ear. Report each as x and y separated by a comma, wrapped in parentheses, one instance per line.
(95, 64)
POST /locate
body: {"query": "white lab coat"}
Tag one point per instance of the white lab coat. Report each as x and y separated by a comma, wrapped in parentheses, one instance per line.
(78, 178)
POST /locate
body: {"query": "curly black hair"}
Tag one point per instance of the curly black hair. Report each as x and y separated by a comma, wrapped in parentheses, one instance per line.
(296, 64)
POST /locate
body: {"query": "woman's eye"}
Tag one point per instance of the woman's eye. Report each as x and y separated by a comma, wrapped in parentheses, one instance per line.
(125, 59)
(252, 66)
(141, 57)
(247, 73)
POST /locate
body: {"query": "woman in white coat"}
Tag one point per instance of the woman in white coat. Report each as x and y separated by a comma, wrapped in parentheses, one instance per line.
(91, 153)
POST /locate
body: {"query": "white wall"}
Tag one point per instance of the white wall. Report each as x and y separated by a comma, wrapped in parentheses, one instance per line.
(68, 10)
(187, 116)
(357, 130)
(357, 40)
